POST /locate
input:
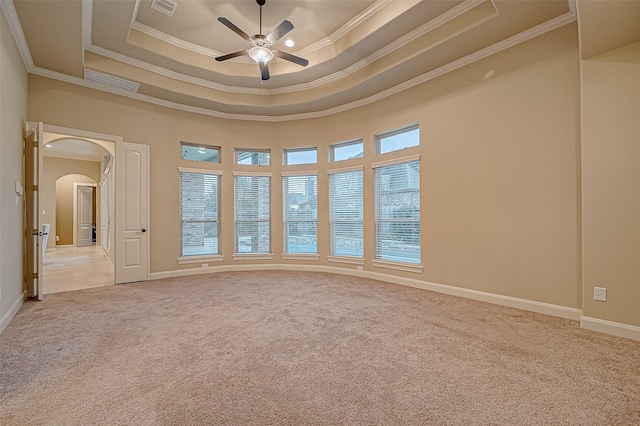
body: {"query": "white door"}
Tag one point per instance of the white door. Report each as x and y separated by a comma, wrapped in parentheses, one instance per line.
(33, 200)
(85, 216)
(132, 212)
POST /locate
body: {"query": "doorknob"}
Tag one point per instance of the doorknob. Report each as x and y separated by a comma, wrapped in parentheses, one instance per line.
(144, 230)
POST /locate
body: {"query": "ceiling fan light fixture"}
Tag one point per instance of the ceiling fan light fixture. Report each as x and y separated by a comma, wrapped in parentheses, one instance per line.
(261, 54)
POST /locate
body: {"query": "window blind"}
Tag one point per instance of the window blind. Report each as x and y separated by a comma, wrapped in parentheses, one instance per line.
(252, 214)
(300, 211)
(199, 214)
(397, 212)
(345, 214)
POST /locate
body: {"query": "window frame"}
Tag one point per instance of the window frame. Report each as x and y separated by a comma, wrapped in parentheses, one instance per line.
(379, 137)
(252, 150)
(286, 221)
(286, 152)
(201, 145)
(258, 254)
(332, 148)
(199, 258)
(354, 258)
(378, 259)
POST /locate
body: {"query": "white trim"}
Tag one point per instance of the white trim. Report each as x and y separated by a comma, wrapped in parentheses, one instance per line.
(397, 266)
(10, 13)
(497, 299)
(346, 170)
(68, 131)
(199, 171)
(300, 173)
(346, 259)
(13, 310)
(267, 174)
(610, 327)
(185, 260)
(300, 256)
(395, 161)
(252, 256)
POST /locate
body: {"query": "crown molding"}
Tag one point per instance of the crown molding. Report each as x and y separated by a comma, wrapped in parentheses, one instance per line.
(18, 35)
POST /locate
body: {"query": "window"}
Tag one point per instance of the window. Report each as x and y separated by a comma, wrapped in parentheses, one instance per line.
(398, 139)
(252, 214)
(195, 152)
(300, 213)
(345, 213)
(346, 150)
(258, 157)
(300, 156)
(199, 214)
(397, 212)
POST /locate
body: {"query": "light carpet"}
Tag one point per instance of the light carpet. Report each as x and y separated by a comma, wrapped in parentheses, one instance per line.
(293, 348)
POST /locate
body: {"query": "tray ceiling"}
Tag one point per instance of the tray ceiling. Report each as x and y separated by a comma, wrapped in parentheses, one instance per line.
(359, 51)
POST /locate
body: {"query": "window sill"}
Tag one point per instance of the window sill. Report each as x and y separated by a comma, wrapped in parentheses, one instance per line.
(252, 256)
(346, 259)
(185, 260)
(405, 267)
(300, 256)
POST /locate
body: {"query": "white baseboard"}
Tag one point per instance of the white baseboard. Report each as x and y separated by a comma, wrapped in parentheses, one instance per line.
(610, 327)
(6, 318)
(512, 302)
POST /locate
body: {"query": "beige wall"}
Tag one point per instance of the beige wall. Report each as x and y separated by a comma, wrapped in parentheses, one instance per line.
(611, 183)
(13, 114)
(54, 169)
(500, 166)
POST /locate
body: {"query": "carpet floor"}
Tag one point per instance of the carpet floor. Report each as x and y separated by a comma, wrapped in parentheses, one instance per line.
(294, 348)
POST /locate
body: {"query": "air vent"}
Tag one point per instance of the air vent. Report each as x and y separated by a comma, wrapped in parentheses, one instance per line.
(111, 80)
(165, 6)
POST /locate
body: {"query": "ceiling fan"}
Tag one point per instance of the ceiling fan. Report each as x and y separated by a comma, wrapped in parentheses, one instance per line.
(261, 50)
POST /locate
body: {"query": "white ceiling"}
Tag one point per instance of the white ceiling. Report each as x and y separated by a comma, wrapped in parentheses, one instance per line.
(77, 149)
(359, 51)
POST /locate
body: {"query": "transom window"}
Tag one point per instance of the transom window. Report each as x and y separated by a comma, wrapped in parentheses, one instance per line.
(398, 139)
(300, 156)
(198, 152)
(346, 150)
(258, 157)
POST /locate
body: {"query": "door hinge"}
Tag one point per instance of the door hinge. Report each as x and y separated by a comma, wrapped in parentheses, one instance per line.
(35, 275)
(35, 188)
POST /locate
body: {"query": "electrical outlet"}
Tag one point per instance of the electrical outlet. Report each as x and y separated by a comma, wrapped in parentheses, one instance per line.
(359, 268)
(205, 265)
(600, 293)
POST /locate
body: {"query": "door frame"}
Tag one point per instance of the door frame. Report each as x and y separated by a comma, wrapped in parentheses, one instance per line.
(117, 145)
(75, 207)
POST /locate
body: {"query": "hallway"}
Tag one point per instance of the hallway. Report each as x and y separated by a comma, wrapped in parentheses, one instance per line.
(75, 268)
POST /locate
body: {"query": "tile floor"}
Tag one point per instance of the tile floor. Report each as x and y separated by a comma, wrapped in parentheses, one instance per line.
(75, 268)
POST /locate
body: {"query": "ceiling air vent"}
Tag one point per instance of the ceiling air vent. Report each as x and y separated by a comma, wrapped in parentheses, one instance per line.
(165, 6)
(111, 80)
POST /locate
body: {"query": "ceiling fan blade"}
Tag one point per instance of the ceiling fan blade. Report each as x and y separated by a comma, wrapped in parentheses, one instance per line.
(233, 28)
(232, 55)
(264, 70)
(280, 31)
(291, 58)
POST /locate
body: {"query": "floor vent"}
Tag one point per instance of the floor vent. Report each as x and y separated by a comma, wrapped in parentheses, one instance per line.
(111, 80)
(165, 6)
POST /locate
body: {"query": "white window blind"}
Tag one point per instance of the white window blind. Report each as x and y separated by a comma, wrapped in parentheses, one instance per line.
(397, 212)
(345, 214)
(199, 214)
(252, 214)
(300, 212)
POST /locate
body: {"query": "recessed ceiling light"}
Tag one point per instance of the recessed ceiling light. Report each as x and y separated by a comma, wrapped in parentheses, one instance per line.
(289, 43)
(48, 145)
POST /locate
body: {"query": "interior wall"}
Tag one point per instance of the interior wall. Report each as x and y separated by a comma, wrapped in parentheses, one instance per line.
(499, 168)
(611, 177)
(64, 194)
(13, 114)
(54, 168)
